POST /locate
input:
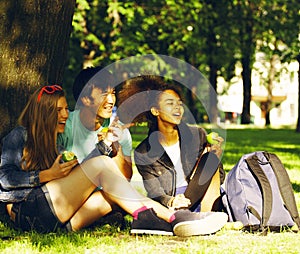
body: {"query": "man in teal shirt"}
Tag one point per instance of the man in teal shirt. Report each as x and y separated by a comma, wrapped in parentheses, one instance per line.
(93, 120)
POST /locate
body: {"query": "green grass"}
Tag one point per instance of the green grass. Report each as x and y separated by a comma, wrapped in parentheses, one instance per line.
(110, 239)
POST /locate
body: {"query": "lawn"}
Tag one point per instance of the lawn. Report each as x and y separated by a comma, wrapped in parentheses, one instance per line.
(111, 239)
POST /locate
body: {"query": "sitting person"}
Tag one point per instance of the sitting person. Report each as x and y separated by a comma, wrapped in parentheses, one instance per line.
(166, 159)
(44, 194)
(93, 118)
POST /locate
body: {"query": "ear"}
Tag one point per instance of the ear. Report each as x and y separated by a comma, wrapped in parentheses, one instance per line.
(154, 111)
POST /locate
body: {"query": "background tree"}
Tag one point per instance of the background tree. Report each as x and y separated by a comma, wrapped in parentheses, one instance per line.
(246, 14)
(288, 32)
(298, 121)
(217, 46)
(34, 41)
(214, 36)
(104, 32)
(279, 43)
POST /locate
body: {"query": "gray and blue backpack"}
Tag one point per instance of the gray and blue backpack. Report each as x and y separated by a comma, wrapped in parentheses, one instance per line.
(258, 192)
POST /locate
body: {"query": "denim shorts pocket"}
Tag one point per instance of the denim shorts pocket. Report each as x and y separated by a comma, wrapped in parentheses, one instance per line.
(35, 214)
(29, 223)
(25, 218)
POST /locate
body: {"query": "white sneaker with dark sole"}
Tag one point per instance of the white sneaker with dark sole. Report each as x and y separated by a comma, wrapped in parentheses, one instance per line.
(198, 223)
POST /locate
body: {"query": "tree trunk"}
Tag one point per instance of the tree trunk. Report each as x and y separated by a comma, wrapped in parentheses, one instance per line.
(246, 75)
(247, 51)
(268, 122)
(298, 122)
(34, 40)
(213, 94)
(213, 68)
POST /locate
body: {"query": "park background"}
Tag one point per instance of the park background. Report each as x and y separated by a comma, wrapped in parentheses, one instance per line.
(248, 51)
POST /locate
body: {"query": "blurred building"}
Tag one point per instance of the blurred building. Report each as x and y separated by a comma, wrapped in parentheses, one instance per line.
(284, 97)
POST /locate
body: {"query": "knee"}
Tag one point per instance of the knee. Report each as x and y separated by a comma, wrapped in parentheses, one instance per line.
(101, 161)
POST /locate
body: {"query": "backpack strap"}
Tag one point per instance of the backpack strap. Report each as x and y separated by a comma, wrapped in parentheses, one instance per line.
(285, 186)
(265, 187)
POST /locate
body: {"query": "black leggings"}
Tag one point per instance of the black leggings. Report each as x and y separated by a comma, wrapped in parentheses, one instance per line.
(36, 213)
(197, 187)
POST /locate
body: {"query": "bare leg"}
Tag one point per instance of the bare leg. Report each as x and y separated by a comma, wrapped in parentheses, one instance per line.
(212, 193)
(93, 209)
(123, 194)
(69, 193)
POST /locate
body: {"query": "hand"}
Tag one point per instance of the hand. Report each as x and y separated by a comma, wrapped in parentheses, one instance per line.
(59, 170)
(217, 148)
(114, 133)
(179, 201)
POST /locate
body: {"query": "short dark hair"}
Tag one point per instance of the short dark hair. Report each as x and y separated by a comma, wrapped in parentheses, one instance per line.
(81, 81)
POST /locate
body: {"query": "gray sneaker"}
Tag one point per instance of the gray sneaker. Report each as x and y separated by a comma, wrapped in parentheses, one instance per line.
(148, 223)
(188, 223)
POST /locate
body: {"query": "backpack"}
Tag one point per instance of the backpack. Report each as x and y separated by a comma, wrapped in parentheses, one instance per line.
(258, 192)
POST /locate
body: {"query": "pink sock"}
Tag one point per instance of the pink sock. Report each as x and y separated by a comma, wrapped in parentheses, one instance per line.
(172, 218)
(136, 212)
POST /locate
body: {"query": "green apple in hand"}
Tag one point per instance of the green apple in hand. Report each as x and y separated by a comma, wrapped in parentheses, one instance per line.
(68, 156)
(211, 138)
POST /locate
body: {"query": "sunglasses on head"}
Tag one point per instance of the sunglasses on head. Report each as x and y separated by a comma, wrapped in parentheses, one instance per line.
(48, 90)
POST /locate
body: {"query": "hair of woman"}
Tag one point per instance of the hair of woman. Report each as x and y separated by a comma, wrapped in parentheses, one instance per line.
(40, 118)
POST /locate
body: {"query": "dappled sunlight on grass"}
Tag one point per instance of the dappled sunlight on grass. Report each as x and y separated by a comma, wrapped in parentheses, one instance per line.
(285, 143)
(110, 239)
(296, 187)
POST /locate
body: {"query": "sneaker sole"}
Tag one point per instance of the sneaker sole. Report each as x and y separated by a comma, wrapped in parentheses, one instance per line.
(205, 226)
(150, 232)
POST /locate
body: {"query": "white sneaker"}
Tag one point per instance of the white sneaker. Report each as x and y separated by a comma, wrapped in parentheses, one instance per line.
(188, 223)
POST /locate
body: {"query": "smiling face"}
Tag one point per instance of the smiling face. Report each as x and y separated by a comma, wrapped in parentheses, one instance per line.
(107, 100)
(98, 105)
(63, 114)
(170, 108)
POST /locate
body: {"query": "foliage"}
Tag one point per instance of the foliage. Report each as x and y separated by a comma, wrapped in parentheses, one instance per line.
(213, 36)
(277, 47)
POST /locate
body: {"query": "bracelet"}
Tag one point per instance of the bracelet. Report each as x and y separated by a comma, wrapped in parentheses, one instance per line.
(103, 148)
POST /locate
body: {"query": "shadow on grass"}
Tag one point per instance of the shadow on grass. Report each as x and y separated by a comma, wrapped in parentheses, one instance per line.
(296, 187)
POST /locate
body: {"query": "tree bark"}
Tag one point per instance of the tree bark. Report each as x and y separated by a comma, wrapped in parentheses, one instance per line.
(298, 122)
(247, 51)
(213, 94)
(213, 69)
(246, 75)
(34, 40)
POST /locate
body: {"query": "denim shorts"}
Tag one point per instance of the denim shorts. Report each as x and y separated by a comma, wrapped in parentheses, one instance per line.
(36, 213)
